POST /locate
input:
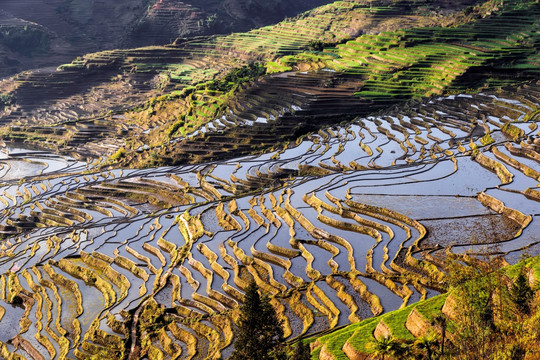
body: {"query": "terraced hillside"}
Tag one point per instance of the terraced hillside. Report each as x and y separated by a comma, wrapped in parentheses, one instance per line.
(44, 33)
(167, 20)
(121, 79)
(357, 77)
(62, 29)
(344, 224)
(339, 180)
(380, 69)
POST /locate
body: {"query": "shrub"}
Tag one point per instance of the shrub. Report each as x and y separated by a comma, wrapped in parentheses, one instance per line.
(522, 294)
(301, 352)
(5, 100)
(25, 40)
(316, 45)
(118, 154)
(176, 126)
(236, 77)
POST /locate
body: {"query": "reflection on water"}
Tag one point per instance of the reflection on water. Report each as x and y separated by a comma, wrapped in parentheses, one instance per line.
(20, 162)
(352, 207)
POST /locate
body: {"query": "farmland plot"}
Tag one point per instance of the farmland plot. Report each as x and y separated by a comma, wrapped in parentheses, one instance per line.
(346, 223)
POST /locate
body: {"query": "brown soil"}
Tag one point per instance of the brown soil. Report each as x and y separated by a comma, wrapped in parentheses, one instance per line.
(471, 230)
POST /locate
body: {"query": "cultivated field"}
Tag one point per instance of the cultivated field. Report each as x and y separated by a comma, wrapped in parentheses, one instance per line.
(338, 176)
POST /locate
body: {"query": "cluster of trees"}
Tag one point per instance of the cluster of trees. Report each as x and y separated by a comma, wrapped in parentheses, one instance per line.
(495, 316)
(26, 40)
(427, 347)
(5, 100)
(237, 76)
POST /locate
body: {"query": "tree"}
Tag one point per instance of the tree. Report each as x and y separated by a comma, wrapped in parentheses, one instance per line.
(427, 342)
(440, 320)
(493, 315)
(521, 294)
(259, 335)
(301, 352)
(5, 100)
(474, 288)
(403, 350)
(386, 346)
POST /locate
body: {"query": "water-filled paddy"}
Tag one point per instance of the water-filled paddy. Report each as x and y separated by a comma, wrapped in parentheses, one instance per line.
(355, 203)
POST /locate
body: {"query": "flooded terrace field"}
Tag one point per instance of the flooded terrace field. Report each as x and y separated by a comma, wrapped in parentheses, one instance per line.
(346, 223)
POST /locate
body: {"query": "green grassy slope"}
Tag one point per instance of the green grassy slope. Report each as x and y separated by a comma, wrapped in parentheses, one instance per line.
(356, 339)
(492, 51)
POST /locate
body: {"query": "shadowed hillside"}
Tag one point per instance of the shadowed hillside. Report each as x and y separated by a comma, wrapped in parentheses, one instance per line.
(37, 33)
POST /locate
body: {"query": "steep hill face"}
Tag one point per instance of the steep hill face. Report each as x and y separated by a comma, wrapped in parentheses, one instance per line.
(167, 20)
(68, 28)
(38, 33)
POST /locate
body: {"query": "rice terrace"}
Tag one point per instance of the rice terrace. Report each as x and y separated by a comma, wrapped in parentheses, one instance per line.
(372, 166)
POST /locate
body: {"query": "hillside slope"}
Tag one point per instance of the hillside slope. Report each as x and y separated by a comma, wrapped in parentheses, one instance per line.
(41, 33)
(446, 314)
(118, 80)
